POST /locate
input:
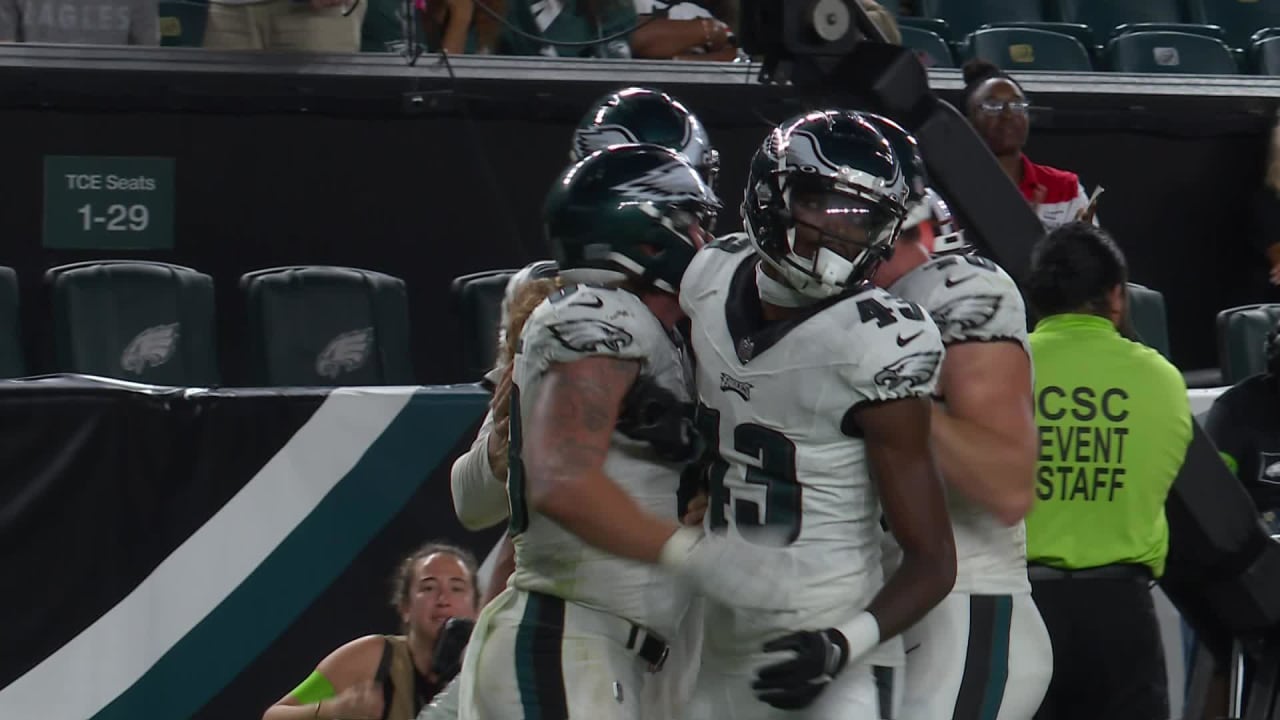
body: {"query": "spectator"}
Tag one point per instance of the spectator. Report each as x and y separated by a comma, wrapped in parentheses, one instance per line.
(1114, 424)
(391, 677)
(1244, 423)
(674, 30)
(998, 109)
(305, 25)
(86, 22)
(884, 20)
(569, 28)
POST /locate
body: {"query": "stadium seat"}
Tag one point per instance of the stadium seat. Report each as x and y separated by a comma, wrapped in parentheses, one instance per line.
(1029, 49)
(932, 50)
(1170, 52)
(478, 300)
(966, 16)
(1148, 318)
(1104, 16)
(934, 25)
(135, 320)
(1242, 332)
(1082, 33)
(1264, 56)
(11, 362)
(324, 326)
(1239, 18)
(182, 23)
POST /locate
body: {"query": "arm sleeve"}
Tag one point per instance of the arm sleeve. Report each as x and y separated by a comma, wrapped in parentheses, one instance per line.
(479, 498)
(899, 360)
(314, 689)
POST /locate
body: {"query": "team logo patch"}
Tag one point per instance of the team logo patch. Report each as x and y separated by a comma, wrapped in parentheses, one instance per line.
(1269, 468)
(911, 371)
(967, 312)
(152, 347)
(589, 335)
(668, 181)
(589, 140)
(345, 353)
(728, 384)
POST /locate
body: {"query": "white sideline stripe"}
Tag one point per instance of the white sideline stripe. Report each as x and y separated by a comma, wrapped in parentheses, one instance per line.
(109, 656)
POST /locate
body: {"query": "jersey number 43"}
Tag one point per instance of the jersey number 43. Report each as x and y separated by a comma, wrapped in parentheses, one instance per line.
(762, 498)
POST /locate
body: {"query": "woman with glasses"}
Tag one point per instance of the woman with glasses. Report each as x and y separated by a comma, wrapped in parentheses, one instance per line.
(998, 109)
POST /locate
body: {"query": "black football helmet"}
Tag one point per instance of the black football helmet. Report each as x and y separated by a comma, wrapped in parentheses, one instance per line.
(840, 155)
(635, 212)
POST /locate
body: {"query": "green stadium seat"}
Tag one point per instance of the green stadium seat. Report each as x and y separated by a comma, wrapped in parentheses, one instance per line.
(1148, 318)
(966, 16)
(1242, 332)
(1082, 33)
(1264, 56)
(182, 23)
(932, 50)
(1106, 15)
(1239, 18)
(478, 301)
(317, 325)
(934, 25)
(135, 320)
(11, 362)
(1029, 49)
(1212, 31)
(1170, 52)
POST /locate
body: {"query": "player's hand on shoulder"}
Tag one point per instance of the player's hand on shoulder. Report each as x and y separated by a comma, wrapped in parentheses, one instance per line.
(808, 661)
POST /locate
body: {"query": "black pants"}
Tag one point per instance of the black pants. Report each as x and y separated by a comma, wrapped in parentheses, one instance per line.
(1108, 660)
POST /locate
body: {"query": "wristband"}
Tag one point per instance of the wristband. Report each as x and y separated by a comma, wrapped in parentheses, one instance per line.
(675, 551)
(862, 633)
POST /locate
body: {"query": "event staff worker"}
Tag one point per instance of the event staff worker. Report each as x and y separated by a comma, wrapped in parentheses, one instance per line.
(1114, 423)
(1244, 423)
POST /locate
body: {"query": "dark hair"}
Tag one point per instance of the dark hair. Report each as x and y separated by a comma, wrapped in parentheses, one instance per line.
(403, 578)
(1072, 270)
(976, 72)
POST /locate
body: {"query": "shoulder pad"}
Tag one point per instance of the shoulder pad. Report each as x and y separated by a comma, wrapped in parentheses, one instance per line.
(584, 320)
(899, 349)
(970, 298)
(722, 255)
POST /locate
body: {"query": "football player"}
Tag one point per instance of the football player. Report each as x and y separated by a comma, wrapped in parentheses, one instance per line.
(983, 652)
(599, 433)
(643, 115)
(814, 392)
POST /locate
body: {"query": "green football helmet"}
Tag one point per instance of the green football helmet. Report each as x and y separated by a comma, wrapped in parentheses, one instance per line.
(641, 115)
(842, 160)
(636, 212)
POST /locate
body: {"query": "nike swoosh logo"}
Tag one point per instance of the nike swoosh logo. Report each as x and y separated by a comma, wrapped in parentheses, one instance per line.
(902, 342)
(913, 648)
(951, 282)
(588, 302)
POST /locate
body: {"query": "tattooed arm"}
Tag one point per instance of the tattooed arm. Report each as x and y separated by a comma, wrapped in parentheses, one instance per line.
(566, 440)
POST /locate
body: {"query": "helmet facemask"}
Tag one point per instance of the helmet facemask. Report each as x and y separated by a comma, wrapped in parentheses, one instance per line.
(836, 232)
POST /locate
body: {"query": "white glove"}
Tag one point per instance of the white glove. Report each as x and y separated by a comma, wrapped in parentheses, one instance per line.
(731, 571)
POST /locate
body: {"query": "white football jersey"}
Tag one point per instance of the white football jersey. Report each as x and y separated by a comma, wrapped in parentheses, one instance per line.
(574, 323)
(972, 299)
(776, 401)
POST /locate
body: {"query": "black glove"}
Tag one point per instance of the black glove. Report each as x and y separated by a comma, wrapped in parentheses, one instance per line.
(792, 684)
(449, 646)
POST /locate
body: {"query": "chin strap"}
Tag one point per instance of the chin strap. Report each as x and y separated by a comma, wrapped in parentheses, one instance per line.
(777, 293)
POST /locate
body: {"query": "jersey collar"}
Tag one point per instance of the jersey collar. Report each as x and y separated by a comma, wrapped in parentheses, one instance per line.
(1076, 322)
